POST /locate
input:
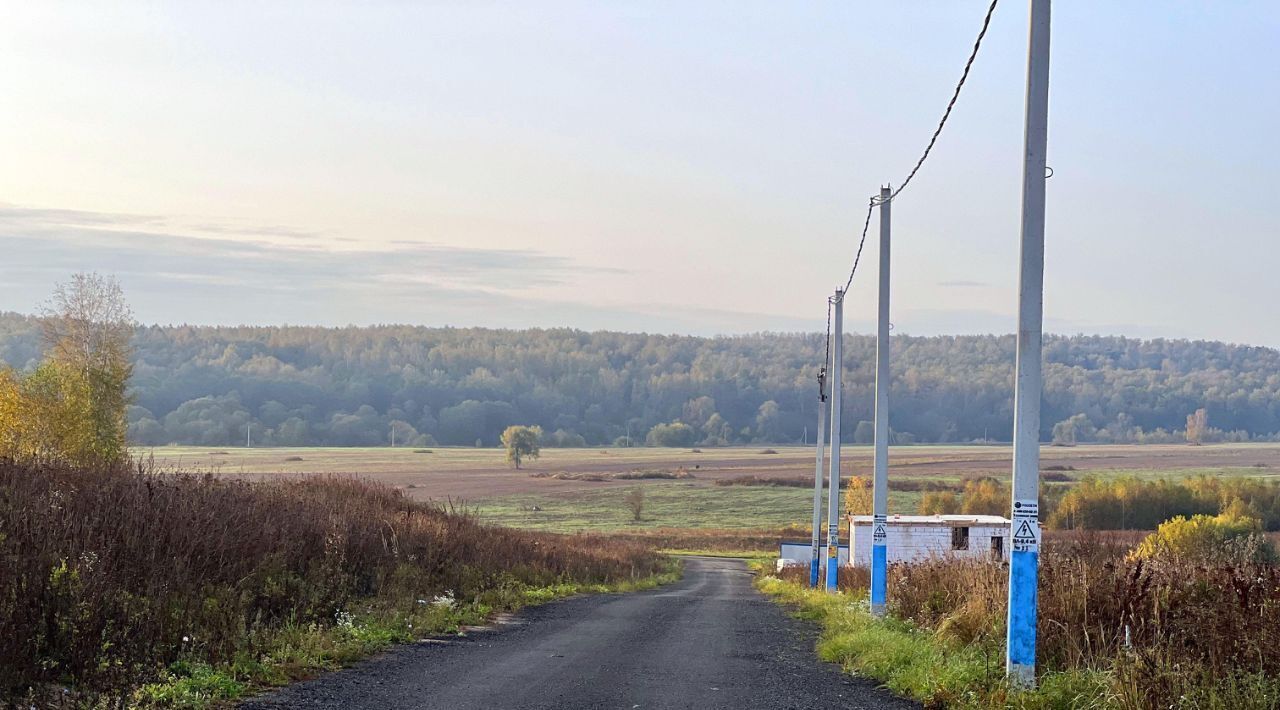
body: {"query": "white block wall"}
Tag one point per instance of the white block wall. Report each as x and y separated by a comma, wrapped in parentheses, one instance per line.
(913, 543)
(803, 552)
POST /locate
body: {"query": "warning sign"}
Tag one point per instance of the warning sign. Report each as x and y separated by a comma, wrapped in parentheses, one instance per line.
(833, 551)
(878, 534)
(1026, 526)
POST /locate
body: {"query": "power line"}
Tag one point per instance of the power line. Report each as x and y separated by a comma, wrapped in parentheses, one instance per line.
(955, 95)
(986, 22)
(822, 371)
(858, 257)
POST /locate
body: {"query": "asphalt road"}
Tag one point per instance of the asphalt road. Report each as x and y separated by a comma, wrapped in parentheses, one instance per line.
(708, 641)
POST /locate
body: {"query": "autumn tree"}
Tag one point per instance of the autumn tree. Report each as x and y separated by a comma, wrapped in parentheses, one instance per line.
(673, 434)
(984, 496)
(521, 442)
(698, 411)
(857, 496)
(768, 420)
(72, 406)
(939, 503)
(1197, 425)
(717, 430)
(87, 327)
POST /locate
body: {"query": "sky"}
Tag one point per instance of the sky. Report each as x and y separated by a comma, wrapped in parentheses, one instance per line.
(643, 166)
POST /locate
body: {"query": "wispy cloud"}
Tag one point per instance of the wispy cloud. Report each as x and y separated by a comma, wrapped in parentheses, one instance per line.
(39, 241)
(219, 274)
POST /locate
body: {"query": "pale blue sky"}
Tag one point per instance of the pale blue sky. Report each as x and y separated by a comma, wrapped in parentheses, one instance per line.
(689, 167)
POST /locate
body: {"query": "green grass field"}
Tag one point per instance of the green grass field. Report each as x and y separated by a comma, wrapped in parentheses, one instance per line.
(666, 505)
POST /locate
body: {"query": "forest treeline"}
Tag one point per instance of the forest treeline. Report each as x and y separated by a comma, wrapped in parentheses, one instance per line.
(362, 386)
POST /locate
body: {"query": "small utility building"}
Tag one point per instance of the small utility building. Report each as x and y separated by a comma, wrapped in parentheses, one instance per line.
(914, 538)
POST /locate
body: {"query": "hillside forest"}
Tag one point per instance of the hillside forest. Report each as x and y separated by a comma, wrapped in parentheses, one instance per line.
(365, 386)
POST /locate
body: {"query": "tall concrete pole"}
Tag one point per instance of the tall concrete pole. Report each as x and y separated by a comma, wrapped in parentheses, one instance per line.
(833, 486)
(1024, 563)
(880, 477)
(816, 560)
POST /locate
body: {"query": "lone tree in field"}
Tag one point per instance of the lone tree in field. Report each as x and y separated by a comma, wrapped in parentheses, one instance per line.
(1197, 425)
(635, 503)
(522, 441)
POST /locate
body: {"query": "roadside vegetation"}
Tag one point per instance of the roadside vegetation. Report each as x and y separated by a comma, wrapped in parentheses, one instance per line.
(173, 588)
(1171, 622)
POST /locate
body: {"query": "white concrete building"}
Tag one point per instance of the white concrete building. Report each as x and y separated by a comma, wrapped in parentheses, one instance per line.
(913, 538)
(800, 552)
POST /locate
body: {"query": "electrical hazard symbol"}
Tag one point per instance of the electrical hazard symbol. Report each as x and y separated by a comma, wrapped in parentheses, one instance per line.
(833, 551)
(1026, 536)
(878, 534)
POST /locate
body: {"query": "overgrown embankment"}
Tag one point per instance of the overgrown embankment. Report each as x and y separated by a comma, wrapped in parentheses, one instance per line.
(1114, 631)
(180, 588)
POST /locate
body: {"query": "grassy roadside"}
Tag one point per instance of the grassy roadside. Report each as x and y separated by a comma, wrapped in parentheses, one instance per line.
(920, 664)
(296, 652)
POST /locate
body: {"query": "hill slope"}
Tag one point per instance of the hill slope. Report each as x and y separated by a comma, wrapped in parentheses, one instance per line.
(352, 386)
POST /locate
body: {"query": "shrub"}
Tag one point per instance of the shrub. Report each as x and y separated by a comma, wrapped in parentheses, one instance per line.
(675, 434)
(1201, 539)
(939, 503)
(1131, 503)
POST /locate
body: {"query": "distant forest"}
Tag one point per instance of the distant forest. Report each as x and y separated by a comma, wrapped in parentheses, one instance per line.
(360, 386)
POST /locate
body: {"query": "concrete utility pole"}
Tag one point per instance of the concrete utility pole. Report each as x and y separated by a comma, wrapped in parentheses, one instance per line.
(833, 487)
(248, 436)
(816, 560)
(880, 478)
(1024, 562)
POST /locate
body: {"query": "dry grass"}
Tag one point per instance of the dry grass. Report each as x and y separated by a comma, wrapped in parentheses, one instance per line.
(107, 576)
(1184, 635)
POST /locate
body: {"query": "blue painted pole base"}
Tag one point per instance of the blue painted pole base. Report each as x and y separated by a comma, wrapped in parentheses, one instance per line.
(1024, 569)
(879, 572)
(833, 574)
(813, 573)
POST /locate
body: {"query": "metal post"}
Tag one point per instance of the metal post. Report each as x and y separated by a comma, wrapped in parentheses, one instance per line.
(1024, 559)
(880, 479)
(816, 561)
(833, 487)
